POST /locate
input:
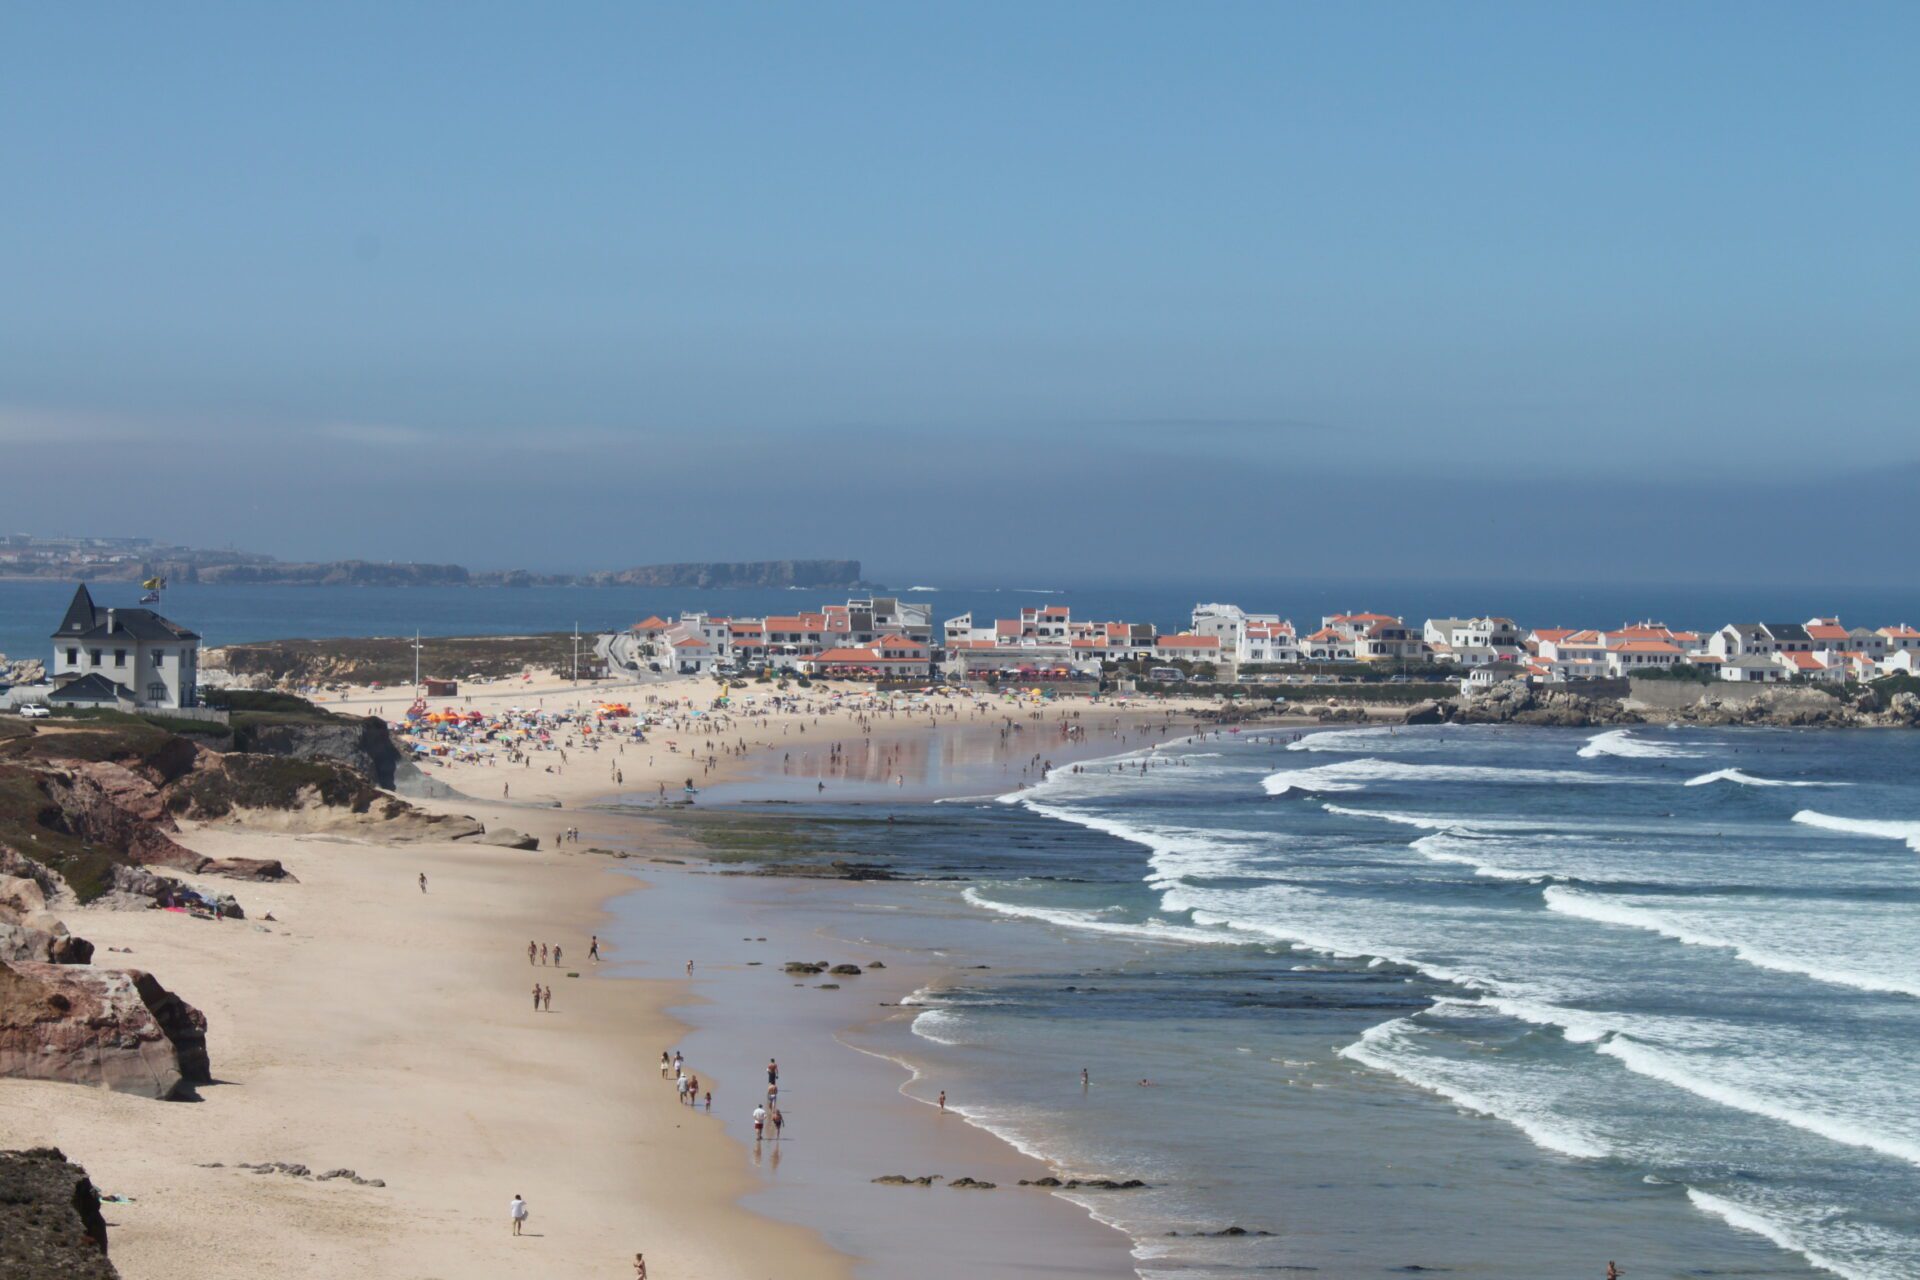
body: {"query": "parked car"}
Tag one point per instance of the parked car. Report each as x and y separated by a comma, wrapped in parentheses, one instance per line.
(34, 711)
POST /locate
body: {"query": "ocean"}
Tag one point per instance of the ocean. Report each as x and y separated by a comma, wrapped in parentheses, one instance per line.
(1506, 1001)
(30, 609)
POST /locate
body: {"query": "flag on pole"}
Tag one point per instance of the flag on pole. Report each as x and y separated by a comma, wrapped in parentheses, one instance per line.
(154, 584)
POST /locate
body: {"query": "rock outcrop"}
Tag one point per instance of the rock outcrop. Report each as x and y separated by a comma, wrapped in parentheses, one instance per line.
(1673, 702)
(117, 1028)
(50, 1222)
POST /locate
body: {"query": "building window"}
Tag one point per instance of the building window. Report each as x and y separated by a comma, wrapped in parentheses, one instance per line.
(93, 657)
(156, 692)
(73, 657)
(119, 657)
(159, 657)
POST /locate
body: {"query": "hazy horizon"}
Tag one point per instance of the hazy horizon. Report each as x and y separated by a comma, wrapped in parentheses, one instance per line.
(1229, 292)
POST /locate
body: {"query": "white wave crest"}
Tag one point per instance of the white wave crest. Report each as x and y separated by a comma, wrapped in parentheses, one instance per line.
(1657, 1064)
(1879, 828)
(1465, 847)
(1354, 775)
(1745, 1219)
(1749, 780)
(939, 1026)
(1094, 922)
(1389, 1047)
(1619, 742)
(1604, 910)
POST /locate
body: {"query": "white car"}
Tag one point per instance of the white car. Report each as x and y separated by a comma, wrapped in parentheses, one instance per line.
(34, 711)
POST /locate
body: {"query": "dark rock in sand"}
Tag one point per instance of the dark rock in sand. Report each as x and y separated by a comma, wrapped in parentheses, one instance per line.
(50, 1222)
(802, 966)
(876, 965)
(507, 838)
(249, 869)
(902, 1180)
(972, 1184)
(826, 986)
(846, 970)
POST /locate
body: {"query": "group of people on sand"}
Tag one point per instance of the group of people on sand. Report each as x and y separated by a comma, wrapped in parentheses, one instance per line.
(685, 1082)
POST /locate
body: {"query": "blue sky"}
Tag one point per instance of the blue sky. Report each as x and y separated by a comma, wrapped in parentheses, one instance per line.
(1264, 284)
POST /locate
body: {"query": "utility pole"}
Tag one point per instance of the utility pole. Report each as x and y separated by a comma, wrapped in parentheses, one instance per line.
(576, 655)
(416, 662)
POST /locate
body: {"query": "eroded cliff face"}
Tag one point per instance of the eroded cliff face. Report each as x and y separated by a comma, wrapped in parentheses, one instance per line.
(362, 745)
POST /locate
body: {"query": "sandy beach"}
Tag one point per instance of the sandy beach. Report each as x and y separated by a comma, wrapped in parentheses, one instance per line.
(370, 1026)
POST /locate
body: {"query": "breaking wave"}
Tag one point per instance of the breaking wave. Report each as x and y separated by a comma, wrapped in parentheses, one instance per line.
(1749, 780)
(1879, 828)
(1354, 775)
(1619, 742)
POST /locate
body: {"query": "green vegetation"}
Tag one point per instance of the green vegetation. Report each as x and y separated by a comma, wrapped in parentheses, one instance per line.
(159, 720)
(389, 660)
(31, 824)
(271, 782)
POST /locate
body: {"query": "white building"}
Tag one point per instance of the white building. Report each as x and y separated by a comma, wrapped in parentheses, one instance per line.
(105, 657)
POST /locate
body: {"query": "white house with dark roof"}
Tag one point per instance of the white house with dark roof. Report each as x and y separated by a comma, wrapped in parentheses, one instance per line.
(110, 656)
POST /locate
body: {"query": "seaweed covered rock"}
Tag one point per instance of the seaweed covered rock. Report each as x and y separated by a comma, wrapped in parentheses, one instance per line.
(50, 1222)
(117, 1028)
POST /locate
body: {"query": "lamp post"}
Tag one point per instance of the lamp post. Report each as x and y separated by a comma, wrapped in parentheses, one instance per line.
(416, 661)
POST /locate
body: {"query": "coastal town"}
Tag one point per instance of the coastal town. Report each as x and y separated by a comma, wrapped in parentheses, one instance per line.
(889, 638)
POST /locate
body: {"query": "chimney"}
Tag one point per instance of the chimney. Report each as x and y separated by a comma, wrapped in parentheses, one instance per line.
(110, 613)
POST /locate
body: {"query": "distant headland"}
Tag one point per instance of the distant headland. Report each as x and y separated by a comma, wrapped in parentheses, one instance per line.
(137, 559)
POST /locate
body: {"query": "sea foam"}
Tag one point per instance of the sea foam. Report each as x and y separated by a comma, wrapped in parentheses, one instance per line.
(1605, 910)
(1619, 742)
(1390, 1047)
(1749, 780)
(1354, 775)
(1882, 829)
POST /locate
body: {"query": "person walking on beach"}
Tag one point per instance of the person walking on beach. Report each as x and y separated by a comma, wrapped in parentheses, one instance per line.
(943, 1102)
(779, 1123)
(773, 1072)
(546, 1000)
(593, 949)
(536, 997)
(759, 1122)
(556, 953)
(532, 951)
(423, 882)
(543, 953)
(639, 1267)
(517, 1211)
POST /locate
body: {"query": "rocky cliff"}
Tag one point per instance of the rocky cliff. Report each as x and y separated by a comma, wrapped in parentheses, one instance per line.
(50, 1222)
